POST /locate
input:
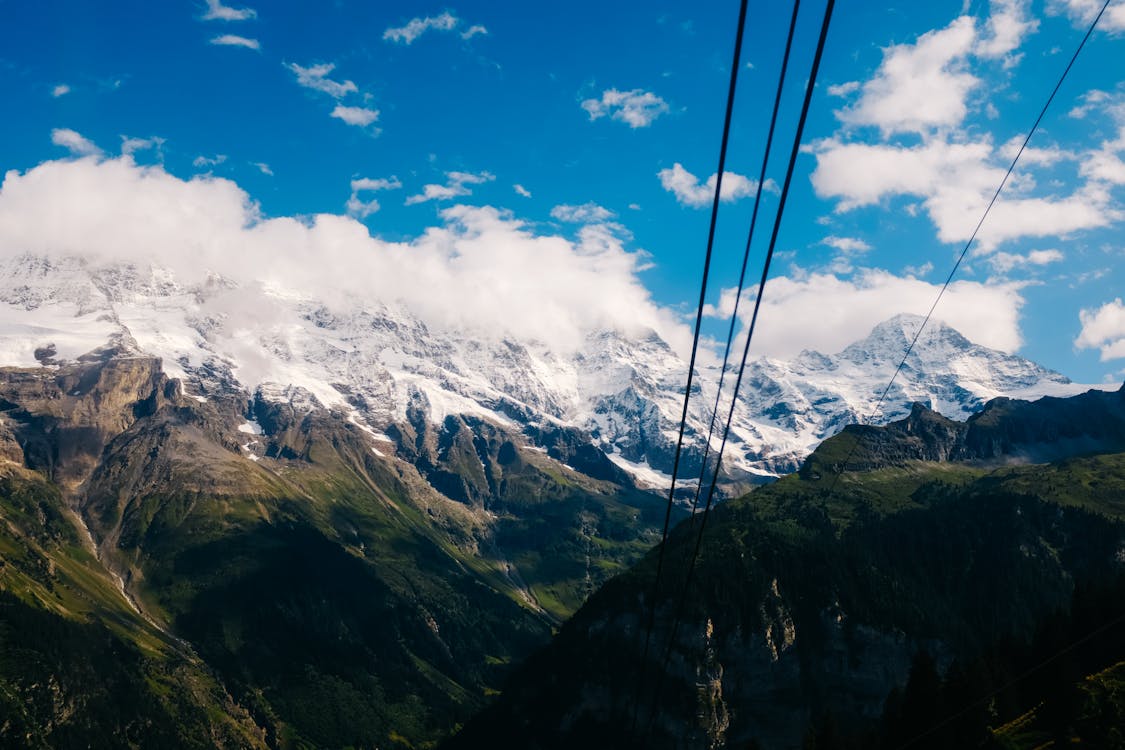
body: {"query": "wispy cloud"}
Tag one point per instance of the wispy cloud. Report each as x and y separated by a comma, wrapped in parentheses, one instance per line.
(473, 30)
(637, 108)
(208, 161)
(216, 11)
(315, 77)
(358, 116)
(416, 27)
(455, 187)
(74, 142)
(691, 192)
(263, 168)
(61, 90)
(843, 89)
(1082, 12)
(233, 40)
(521, 190)
(587, 213)
(361, 209)
(130, 145)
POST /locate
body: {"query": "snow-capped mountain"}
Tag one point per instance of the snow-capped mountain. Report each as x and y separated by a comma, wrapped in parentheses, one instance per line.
(380, 365)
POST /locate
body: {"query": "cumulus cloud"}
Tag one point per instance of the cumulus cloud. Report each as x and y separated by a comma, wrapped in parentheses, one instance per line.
(1007, 25)
(216, 11)
(1004, 262)
(847, 244)
(358, 116)
(74, 141)
(955, 181)
(416, 27)
(233, 40)
(825, 312)
(361, 209)
(315, 77)
(637, 108)
(691, 192)
(61, 90)
(1082, 12)
(457, 186)
(1103, 328)
(478, 270)
(919, 86)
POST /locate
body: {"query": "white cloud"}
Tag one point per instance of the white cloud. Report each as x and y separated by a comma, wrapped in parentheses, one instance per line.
(843, 89)
(216, 11)
(208, 161)
(130, 146)
(263, 168)
(521, 190)
(690, 192)
(478, 270)
(361, 209)
(1034, 156)
(587, 213)
(825, 313)
(61, 90)
(473, 30)
(381, 183)
(1005, 29)
(956, 181)
(1091, 100)
(418, 26)
(637, 108)
(455, 187)
(73, 141)
(919, 86)
(358, 116)
(1004, 262)
(847, 244)
(315, 77)
(233, 40)
(1104, 329)
(921, 270)
(1082, 12)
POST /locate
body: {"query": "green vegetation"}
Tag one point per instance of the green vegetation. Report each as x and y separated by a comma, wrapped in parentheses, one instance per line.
(322, 597)
(820, 601)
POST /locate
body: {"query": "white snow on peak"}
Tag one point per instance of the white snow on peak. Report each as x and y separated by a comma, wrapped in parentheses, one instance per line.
(382, 365)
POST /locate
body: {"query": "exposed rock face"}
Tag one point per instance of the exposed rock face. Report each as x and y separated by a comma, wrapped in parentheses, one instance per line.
(63, 419)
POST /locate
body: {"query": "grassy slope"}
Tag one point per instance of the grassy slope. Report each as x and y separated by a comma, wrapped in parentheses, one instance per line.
(77, 665)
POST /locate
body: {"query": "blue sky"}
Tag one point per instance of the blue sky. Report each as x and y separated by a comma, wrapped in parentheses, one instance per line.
(567, 117)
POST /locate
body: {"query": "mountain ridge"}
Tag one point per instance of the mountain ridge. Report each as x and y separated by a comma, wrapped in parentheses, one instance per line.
(384, 364)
